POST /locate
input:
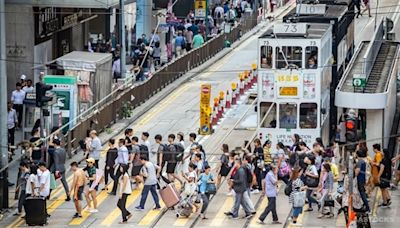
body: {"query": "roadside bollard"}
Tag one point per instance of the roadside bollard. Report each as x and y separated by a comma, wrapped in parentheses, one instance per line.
(228, 100)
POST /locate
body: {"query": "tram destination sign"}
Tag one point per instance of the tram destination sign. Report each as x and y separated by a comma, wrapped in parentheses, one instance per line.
(359, 80)
(311, 9)
(290, 28)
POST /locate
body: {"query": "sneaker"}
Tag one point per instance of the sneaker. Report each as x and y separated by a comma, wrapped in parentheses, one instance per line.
(253, 212)
(309, 209)
(320, 216)
(156, 208)
(93, 210)
(247, 216)
(260, 222)
(16, 214)
(138, 208)
(329, 215)
(68, 199)
(276, 222)
(228, 213)
(389, 202)
(76, 215)
(255, 191)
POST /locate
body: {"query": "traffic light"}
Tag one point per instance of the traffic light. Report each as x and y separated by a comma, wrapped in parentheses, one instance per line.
(41, 89)
(351, 131)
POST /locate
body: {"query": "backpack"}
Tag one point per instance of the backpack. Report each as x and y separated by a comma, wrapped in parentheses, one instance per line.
(249, 175)
(289, 188)
(179, 151)
(219, 16)
(144, 150)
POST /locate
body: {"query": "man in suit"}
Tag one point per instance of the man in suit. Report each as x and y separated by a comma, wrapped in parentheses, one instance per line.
(59, 165)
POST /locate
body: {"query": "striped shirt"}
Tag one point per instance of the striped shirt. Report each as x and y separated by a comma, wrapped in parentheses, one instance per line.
(296, 185)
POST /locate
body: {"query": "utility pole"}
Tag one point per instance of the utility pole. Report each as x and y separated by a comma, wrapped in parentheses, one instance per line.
(3, 110)
(122, 38)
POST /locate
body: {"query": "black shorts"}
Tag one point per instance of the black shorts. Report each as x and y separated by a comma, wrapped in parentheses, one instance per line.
(384, 184)
(171, 167)
(224, 171)
(80, 192)
(136, 170)
(95, 188)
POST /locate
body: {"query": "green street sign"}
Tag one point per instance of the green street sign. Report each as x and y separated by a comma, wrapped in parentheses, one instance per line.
(359, 80)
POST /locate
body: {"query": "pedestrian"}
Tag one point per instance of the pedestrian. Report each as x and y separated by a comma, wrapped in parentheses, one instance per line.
(32, 185)
(95, 148)
(128, 139)
(224, 168)
(367, 7)
(311, 181)
(44, 181)
(238, 182)
(279, 160)
(362, 176)
(21, 188)
(145, 145)
(297, 186)
(259, 164)
(205, 180)
(271, 185)
(78, 185)
(246, 164)
(385, 176)
(149, 173)
(110, 162)
(180, 44)
(199, 163)
(36, 152)
(122, 159)
(12, 122)
(124, 191)
(17, 98)
(171, 159)
(28, 88)
(156, 155)
(58, 168)
(326, 190)
(375, 165)
(91, 192)
(135, 161)
(198, 41)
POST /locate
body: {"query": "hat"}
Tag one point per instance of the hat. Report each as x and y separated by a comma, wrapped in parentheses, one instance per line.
(23, 77)
(90, 160)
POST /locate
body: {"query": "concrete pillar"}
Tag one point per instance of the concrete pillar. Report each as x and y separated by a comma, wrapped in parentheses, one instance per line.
(144, 18)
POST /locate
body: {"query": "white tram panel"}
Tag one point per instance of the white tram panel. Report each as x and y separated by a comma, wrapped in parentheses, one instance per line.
(294, 74)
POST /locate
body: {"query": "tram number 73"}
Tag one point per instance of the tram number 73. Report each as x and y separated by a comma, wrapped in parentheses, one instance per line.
(290, 28)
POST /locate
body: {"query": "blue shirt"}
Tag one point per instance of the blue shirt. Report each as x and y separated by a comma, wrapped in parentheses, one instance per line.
(363, 168)
(270, 184)
(203, 180)
(123, 156)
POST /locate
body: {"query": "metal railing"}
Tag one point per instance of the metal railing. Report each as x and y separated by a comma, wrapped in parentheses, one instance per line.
(108, 114)
(372, 50)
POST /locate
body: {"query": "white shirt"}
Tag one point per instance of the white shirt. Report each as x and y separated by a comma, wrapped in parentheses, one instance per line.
(32, 179)
(123, 155)
(44, 179)
(220, 10)
(17, 97)
(116, 68)
(28, 89)
(128, 187)
(11, 119)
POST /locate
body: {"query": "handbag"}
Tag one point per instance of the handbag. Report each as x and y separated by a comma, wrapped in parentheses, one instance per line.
(329, 202)
(299, 199)
(312, 182)
(211, 189)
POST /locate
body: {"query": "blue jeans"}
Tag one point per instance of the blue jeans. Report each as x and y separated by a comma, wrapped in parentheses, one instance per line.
(363, 195)
(297, 211)
(310, 198)
(145, 192)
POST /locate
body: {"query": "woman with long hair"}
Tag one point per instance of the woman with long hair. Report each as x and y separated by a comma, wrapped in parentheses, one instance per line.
(224, 167)
(326, 189)
(297, 186)
(124, 191)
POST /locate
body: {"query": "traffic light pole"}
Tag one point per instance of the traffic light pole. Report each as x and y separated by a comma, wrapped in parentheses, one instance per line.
(3, 110)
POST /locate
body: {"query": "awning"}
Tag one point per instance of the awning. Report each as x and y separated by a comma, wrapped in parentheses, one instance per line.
(105, 4)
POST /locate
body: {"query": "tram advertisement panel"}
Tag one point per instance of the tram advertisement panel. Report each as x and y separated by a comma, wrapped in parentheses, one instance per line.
(288, 83)
(285, 137)
(268, 82)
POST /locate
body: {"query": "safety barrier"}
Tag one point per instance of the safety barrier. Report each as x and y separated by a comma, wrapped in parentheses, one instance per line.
(107, 115)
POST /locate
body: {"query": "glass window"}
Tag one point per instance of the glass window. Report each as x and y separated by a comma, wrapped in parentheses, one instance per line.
(270, 119)
(289, 57)
(308, 115)
(266, 57)
(288, 115)
(312, 57)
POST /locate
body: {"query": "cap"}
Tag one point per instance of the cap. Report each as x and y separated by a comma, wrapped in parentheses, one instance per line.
(23, 77)
(90, 160)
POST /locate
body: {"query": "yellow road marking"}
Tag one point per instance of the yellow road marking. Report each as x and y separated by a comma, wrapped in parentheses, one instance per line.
(263, 205)
(153, 214)
(85, 214)
(109, 220)
(220, 216)
(378, 196)
(299, 219)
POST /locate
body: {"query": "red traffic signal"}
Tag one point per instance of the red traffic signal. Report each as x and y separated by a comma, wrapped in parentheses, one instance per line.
(350, 125)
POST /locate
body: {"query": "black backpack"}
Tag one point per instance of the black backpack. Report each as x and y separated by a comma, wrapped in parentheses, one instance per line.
(179, 151)
(249, 175)
(288, 188)
(144, 150)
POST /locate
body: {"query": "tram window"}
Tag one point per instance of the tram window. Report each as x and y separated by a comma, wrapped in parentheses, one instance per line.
(288, 116)
(293, 57)
(312, 57)
(266, 57)
(270, 119)
(308, 115)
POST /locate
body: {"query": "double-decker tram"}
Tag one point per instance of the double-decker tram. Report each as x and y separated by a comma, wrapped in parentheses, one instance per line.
(294, 75)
